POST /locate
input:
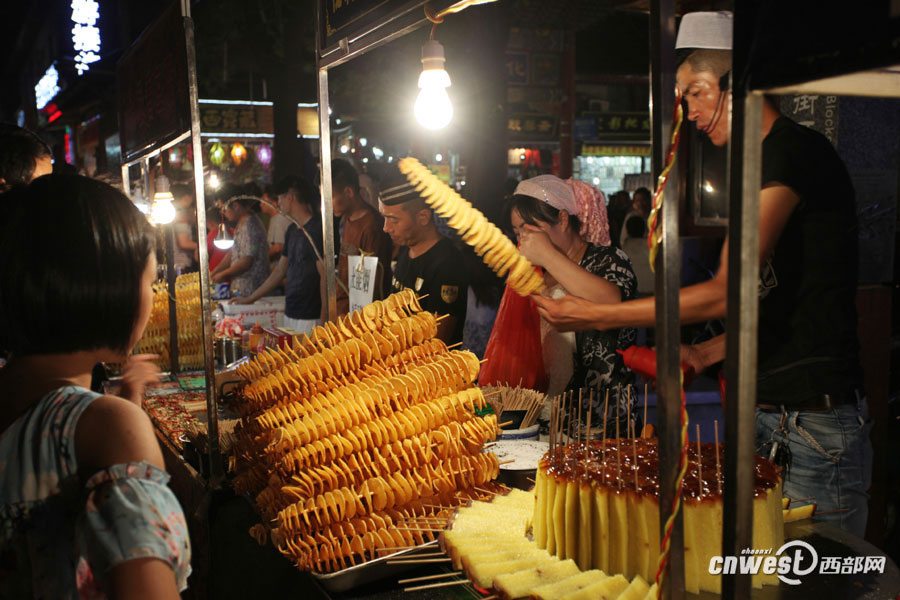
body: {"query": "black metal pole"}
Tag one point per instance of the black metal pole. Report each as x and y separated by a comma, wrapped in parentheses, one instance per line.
(668, 283)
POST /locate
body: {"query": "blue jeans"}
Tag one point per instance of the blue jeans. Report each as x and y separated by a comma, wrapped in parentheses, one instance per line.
(831, 460)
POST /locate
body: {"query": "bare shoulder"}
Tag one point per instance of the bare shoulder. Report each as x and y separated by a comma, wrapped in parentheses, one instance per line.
(111, 431)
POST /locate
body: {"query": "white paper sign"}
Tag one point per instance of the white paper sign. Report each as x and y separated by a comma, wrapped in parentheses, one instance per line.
(362, 280)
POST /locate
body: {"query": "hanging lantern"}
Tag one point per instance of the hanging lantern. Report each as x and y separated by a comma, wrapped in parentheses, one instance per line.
(238, 153)
(264, 155)
(216, 154)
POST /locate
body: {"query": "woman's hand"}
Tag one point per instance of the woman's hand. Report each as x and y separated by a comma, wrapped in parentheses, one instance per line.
(218, 277)
(535, 245)
(140, 370)
(569, 313)
(242, 300)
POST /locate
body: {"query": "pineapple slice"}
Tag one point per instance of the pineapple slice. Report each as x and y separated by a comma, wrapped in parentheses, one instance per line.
(571, 528)
(798, 513)
(608, 589)
(552, 591)
(619, 534)
(636, 590)
(539, 521)
(520, 583)
(483, 574)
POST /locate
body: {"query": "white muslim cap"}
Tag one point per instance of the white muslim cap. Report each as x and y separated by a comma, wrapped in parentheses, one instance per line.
(708, 30)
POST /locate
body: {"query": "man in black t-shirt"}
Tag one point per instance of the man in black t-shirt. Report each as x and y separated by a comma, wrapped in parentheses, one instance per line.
(809, 386)
(427, 263)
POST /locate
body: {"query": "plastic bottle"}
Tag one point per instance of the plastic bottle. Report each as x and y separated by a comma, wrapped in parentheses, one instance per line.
(257, 338)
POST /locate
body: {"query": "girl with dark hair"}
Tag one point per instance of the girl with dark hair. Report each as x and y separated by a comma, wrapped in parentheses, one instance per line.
(84, 507)
(562, 227)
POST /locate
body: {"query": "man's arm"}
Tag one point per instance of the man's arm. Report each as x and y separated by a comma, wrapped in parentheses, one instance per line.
(702, 355)
(235, 269)
(223, 264)
(271, 282)
(701, 302)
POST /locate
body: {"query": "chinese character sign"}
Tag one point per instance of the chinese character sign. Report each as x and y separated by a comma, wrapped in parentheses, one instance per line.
(85, 33)
(361, 284)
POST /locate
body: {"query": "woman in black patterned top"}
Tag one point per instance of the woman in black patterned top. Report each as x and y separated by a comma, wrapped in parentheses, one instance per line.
(562, 227)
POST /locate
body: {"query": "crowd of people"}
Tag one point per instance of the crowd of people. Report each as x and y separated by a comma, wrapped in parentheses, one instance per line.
(84, 506)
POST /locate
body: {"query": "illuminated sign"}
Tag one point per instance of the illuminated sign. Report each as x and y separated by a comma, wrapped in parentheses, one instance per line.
(85, 33)
(47, 87)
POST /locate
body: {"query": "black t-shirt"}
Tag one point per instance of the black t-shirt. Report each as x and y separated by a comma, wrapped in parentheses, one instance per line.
(302, 299)
(807, 310)
(441, 274)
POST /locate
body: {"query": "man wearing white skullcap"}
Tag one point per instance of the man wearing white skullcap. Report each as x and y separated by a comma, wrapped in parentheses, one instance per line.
(809, 389)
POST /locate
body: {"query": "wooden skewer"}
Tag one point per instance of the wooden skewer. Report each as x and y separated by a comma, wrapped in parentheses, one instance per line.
(452, 346)
(628, 430)
(505, 424)
(605, 407)
(438, 320)
(645, 407)
(618, 446)
(430, 555)
(422, 561)
(422, 297)
(587, 437)
(482, 361)
(699, 465)
(529, 479)
(718, 469)
(578, 423)
(635, 465)
(830, 512)
(506, 462)
(435, 585)
(491, 597)
(429, 577)
(418, 528)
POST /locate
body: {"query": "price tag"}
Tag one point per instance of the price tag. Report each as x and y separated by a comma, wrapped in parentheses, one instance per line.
(361, 272)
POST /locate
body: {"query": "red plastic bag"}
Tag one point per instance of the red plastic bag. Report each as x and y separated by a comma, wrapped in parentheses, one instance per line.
(513, 351)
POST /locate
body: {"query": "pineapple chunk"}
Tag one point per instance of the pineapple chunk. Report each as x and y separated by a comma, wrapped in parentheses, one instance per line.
(600, 522)
(539, 520)
(798, 513)
(619, 534)
(585, 510)
(572, 529)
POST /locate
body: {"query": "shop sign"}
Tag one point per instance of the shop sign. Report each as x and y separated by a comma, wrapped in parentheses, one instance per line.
(609, 150)
(235, 118)
(152, 80)
(517, 67)
(527, 125)
(584, 128)
(814, 111)
(629, 125)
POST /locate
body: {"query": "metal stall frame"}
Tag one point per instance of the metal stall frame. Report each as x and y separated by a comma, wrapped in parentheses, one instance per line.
(872, 76)
(410, 16)
(400, 21)
(216, 473)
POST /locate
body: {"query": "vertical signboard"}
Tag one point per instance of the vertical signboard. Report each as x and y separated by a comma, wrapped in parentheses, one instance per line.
(152, 80)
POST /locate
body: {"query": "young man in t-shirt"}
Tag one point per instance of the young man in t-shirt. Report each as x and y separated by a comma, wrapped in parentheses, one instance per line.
(299, 261)
(361, 232)
(809, 379)
(427, 263)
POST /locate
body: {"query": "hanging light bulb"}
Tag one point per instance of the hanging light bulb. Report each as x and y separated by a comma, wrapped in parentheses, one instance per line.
(214, 182)
(238, 153)
(433, 109)
(223, 240)
(162, 212)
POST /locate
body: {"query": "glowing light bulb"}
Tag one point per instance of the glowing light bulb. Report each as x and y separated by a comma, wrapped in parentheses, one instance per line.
(433, 109)
(223, 240)
(438, 158)
(344, 149)
(214, 181)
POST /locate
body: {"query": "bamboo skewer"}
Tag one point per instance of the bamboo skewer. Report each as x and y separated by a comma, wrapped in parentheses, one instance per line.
(429, 577)
(718, 470)
(629, 432)
(635, 465)
(578, 431)
(421, 561)
(452, 346)
(435, 585)
(422, 297)
(506, 462)
(438, 320)
(505, 424)
(618, 449)
(605, 408)
(699, 465)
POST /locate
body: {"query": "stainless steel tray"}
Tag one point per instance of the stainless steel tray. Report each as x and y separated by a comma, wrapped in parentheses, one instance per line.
(373, 570)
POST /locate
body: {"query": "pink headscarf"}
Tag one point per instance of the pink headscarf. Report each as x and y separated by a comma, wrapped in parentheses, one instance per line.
(576, 198)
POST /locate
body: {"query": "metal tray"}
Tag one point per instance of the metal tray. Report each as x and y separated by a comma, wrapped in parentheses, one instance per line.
(373, 570)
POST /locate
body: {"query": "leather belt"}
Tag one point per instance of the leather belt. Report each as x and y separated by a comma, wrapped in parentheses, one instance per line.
(819, 403)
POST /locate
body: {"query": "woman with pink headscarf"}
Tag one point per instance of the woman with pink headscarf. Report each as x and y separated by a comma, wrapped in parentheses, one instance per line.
(562, 227)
